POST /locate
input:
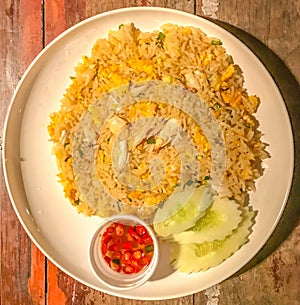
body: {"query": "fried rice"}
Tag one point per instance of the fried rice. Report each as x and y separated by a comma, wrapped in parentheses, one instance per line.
(183, 56)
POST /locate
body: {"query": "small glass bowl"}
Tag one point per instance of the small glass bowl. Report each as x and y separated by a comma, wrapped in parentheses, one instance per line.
(102, 270)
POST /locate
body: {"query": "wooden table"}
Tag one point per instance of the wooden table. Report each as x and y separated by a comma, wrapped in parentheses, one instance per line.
(26, 26)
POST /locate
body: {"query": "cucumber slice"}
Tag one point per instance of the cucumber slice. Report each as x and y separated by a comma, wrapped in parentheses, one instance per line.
(200, 257)
(181, 211)
(219, 221)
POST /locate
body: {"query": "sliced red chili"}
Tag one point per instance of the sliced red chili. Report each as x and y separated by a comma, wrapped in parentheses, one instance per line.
(137, 254)
(106, 237)
(116, 255)
(133, 234)
(147, 239)
(110, 230)
(128, 269)
(140, 230)
(126, 257)
(113, 247)
(127, 245)
(119, 229)
(107, 259)
(144, 261)
(136, 266)
(103, 248)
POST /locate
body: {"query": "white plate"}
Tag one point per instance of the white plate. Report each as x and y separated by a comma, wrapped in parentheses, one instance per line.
(30, 169)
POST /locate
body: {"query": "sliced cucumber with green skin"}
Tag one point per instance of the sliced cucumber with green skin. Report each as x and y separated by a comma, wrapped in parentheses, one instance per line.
(218, 222)
(194, 257)
(181, 211)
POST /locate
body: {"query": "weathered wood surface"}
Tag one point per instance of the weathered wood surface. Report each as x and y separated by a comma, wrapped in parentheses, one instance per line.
(27, 277)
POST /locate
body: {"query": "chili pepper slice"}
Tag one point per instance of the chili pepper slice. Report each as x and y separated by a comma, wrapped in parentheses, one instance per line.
(103, 248)
(113, 247)
(116, 255)
(126, 257)
(136, 266)
(144, 261)
(119, 229)
(128, 269)
(127, 245)
(133, 234)
(106, 237)
(147, 239)
(140, 230)
(110, 230)
(107, 259)
(137, 254)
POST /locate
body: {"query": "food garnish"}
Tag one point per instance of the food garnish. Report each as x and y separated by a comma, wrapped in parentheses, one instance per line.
(126, 248)
(218, 232)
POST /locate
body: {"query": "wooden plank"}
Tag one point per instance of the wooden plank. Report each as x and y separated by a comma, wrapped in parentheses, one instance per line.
(284, 36)
(182, 5)
(54, 19)
(30, 23)
(54, 294)
(20, 32)
(62, 289)
(36, 281)
(276, 281)
(14, 259)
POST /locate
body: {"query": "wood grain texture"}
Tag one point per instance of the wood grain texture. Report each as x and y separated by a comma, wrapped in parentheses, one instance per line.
(37, 277)
(54, 19)
(20, 32)
(27, 277)
(272, 22)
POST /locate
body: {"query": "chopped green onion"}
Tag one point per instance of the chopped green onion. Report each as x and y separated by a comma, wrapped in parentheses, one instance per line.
(116, 261)
(216, 42)
(189, 182)
(149, 248)
(121, 25)
(160, 39)
(161, 36)
(80, 152)
(151, 141)
(72, 77)
(206, 177)
(247, 125)
(229, 59)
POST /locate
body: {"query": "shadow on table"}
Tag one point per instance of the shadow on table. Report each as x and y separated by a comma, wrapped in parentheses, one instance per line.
(290, 91)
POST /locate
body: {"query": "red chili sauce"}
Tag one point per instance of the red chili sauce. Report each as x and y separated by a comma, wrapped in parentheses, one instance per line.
(127, 248)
